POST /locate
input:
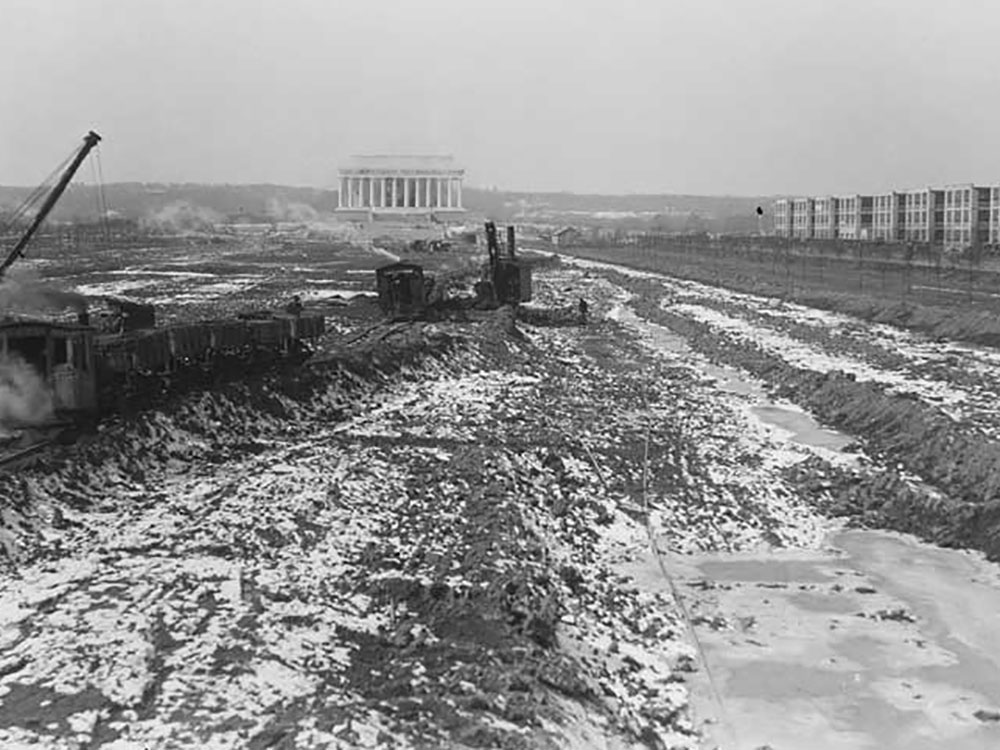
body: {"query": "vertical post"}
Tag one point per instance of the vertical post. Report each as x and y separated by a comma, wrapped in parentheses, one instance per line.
(381, 202)
(458, 184)
(340, 194)
(861, 267)
(437, 180)
(406, 192)
(371, 192)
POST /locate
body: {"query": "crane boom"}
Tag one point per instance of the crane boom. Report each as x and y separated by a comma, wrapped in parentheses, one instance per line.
(89, 141)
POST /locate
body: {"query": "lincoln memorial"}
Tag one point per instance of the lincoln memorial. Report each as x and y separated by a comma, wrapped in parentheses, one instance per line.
(400, 185)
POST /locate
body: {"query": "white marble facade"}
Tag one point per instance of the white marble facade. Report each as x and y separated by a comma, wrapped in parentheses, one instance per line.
(400, 184)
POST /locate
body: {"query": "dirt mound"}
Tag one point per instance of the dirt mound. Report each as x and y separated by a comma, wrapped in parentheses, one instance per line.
(228, 420)
(568, 315)
(961, 467)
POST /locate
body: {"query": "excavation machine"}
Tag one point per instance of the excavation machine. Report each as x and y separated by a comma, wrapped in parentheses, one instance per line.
(406, 292)
(58, 375)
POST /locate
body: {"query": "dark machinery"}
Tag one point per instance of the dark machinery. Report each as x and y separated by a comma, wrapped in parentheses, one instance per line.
(404, 291)
(506, 281)
(127, 315)
(91, 365)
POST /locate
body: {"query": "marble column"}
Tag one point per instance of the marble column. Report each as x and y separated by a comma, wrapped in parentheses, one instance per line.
(340, 194)
(381, 199)
(437, 182)
(449, 192)
(371, 192)
(406, 192)
(458, 185)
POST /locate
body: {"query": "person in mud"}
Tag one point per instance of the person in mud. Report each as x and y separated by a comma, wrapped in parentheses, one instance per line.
(295, 306)
(583, 310)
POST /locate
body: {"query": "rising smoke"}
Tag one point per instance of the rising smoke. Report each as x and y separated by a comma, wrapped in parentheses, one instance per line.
(299, 213)
(24, 292)
(182, 217)
(25, 399)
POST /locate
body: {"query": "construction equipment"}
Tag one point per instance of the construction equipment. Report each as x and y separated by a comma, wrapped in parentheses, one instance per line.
(75, 160)
(506, 281)
(402, 290)
(128, 315)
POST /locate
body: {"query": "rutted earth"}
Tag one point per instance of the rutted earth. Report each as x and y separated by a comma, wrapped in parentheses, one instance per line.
(456, 553)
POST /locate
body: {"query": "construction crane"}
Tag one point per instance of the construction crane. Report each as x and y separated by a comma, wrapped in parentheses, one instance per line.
(75, 160)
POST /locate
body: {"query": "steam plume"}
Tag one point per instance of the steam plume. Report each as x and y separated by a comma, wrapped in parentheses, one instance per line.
(24, 293)
(291, 212)
(181, 217)
(25, 399)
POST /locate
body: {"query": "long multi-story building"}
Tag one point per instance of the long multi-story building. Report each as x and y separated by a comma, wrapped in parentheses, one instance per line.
(825, 218)
(955, 216)
(966, 216)
(888, 218)
(803, 218)
(854, 217)
(994, 236)
(924, 216)
(783, 217)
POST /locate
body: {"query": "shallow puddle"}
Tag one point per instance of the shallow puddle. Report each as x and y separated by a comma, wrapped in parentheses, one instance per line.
(802, 427)
(877, 642)
(805, 430)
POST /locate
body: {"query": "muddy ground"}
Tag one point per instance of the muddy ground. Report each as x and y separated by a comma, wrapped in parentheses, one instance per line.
(440, 536)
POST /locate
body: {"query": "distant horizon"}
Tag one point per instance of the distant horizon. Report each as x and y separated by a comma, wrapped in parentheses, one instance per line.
(706, 98)
(465, 186)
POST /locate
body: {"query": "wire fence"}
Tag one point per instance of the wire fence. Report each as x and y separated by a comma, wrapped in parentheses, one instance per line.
(921, 274)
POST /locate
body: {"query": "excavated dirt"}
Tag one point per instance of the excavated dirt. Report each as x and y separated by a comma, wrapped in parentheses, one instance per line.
(940, 476)
(438, 534)
(958, 321)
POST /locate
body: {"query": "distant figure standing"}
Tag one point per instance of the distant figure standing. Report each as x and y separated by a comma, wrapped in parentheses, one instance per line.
(295, 306)
(583, 310)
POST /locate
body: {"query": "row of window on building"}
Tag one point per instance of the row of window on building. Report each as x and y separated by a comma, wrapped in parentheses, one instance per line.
(955, 217)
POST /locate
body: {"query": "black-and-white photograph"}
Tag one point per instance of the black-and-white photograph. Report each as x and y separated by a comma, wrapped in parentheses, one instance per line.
(542, 375)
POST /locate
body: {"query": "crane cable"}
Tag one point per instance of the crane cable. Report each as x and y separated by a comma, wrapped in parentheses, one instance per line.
(35, 195)
(99, 197)
(103, 196)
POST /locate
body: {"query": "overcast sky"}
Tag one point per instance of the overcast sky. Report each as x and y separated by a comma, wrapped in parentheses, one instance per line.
(694, 96)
